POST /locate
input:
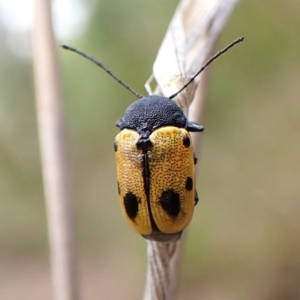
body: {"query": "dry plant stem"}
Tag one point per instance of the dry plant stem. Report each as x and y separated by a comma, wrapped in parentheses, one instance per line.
(54, 156)
(196, 114)
(187, 46)
(164, 258)
(158, 271)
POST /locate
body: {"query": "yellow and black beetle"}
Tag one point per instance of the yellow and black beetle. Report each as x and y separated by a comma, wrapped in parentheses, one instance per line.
(155, 162)
(155, 168)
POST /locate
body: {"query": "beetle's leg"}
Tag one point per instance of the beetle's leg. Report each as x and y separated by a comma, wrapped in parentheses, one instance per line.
(196, 197)
(195, 160)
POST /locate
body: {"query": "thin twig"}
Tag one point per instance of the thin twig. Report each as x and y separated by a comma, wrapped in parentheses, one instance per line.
(54, 156)
(188, 44)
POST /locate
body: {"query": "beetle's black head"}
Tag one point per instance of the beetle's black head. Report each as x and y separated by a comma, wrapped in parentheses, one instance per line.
(149, 113)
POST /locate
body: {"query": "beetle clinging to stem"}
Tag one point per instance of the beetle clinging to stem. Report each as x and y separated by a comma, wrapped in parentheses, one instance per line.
(156, 162)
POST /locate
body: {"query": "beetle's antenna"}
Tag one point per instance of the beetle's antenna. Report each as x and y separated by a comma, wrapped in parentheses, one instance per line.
(98, 63)
(208, 63)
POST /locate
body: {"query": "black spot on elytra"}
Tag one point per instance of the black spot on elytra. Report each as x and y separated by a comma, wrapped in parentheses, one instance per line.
(119, 191)
(131, 204)
(170, 202)
(189, 184)
(186, 141)
(116, 146)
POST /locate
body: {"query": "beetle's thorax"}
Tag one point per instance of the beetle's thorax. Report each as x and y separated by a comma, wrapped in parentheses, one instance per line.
(150, 113)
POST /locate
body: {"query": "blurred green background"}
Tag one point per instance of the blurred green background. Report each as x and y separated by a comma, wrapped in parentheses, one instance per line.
(243, 242)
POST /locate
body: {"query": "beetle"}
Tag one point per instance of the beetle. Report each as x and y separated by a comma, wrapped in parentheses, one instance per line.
(156, 162)
(155, 168)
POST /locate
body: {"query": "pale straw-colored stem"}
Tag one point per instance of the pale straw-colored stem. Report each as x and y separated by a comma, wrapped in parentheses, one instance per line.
(55, 162)
(164, 259)
(188, 44)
